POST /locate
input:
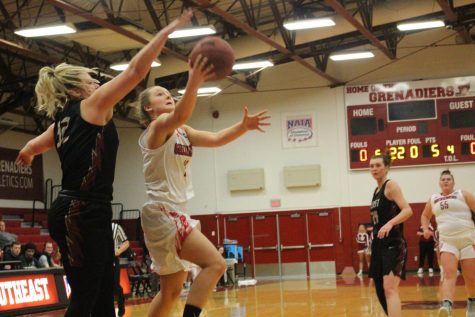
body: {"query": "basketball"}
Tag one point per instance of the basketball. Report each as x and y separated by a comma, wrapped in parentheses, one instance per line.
(218, 52)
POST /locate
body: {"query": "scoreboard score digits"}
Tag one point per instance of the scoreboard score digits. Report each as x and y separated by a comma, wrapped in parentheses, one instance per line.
(417, 123)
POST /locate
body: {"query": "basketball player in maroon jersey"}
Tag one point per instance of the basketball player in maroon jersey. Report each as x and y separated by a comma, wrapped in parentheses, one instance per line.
(86, 140)
(389, 209)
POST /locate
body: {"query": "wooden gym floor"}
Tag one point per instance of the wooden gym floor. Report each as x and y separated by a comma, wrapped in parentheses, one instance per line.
(336, 297)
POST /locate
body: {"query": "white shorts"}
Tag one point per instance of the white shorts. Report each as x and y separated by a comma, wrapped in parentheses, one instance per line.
(165, 227)
(462, 246)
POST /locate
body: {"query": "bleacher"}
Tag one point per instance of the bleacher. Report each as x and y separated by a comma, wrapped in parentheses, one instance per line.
(138, 250)
(21, 226)
(31, 225)
(38, 234)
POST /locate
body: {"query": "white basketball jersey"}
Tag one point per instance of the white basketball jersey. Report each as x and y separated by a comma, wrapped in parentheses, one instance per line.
(167, 169)
(452, 214)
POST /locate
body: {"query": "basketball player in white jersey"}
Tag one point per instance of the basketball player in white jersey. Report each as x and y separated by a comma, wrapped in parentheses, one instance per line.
(171, 235)
(452, 210)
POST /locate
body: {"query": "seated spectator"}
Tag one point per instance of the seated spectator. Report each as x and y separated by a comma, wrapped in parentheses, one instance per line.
(13, 254)
(28, 259)
(46, 258)
(57, 259)
(6, 238)
(222, 279)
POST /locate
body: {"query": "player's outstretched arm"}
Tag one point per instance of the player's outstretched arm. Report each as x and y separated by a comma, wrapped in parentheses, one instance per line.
(161, 128)
(101, 102)
(38, 145)
(227, 135)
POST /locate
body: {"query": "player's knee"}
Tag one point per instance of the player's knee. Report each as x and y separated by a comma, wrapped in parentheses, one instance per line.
(390, 290)
(219, 266)
(450, 272)
(469, 279)
(170, 293)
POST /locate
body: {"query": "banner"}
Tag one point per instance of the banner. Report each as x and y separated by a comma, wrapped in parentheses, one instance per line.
(27, 291)
(298, 129)
(20, 182)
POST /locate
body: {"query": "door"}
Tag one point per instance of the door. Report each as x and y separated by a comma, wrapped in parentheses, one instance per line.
(266, 257)
(321, 245)
(293, 244)
(239, 228)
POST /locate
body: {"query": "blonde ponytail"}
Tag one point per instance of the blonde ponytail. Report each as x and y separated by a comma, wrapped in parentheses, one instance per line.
(54, 86)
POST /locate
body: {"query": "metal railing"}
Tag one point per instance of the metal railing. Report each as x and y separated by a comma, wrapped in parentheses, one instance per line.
(118, 212)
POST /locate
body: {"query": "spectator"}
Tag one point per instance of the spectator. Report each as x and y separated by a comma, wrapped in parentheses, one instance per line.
(28, 260)
(6, 238)
(56, 259)
(222, 279)
(46, 258)
(13, 254)
(364, 245)
(426, 250)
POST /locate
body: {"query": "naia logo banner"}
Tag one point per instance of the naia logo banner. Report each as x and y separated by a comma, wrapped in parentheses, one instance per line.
(298, 129)
(20, 182)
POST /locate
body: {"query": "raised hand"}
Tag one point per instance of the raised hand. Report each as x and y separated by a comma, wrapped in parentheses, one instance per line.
(182, 20)
(256, 121)
(199, 70)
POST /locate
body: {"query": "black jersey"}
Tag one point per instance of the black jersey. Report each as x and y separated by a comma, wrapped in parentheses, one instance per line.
(87, 152)
(383, 210)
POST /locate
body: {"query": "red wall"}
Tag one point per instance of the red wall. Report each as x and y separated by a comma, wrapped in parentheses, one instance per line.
(345, 247)
(344, 252)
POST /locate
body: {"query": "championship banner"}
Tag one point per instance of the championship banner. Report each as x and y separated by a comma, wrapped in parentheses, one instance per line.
(298, 129)
(417, 123)
(27, 291)
(20, 182)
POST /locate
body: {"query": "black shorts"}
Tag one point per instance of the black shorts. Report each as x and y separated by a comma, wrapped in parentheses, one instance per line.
(83, 231)
(388, 255)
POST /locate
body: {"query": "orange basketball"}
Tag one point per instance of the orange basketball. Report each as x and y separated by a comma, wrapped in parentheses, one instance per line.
(218, 52)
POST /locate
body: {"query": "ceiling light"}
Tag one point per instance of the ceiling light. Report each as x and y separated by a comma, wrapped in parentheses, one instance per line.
(204, 30)
(350, 56)
(308, 24)
(204, 91)
(123, 66)
(420, 25)
(46, 31)
(252, 65)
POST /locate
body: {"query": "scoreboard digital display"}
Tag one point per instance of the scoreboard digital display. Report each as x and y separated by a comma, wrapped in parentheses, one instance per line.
(418, 123)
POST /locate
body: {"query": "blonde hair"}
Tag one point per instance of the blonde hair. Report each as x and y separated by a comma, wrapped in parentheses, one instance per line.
(54, 86)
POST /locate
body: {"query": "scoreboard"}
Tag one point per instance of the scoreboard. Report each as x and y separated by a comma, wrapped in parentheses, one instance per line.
(417, 123)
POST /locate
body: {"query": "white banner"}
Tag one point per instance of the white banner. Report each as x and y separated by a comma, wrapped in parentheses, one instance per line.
(298, 129)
